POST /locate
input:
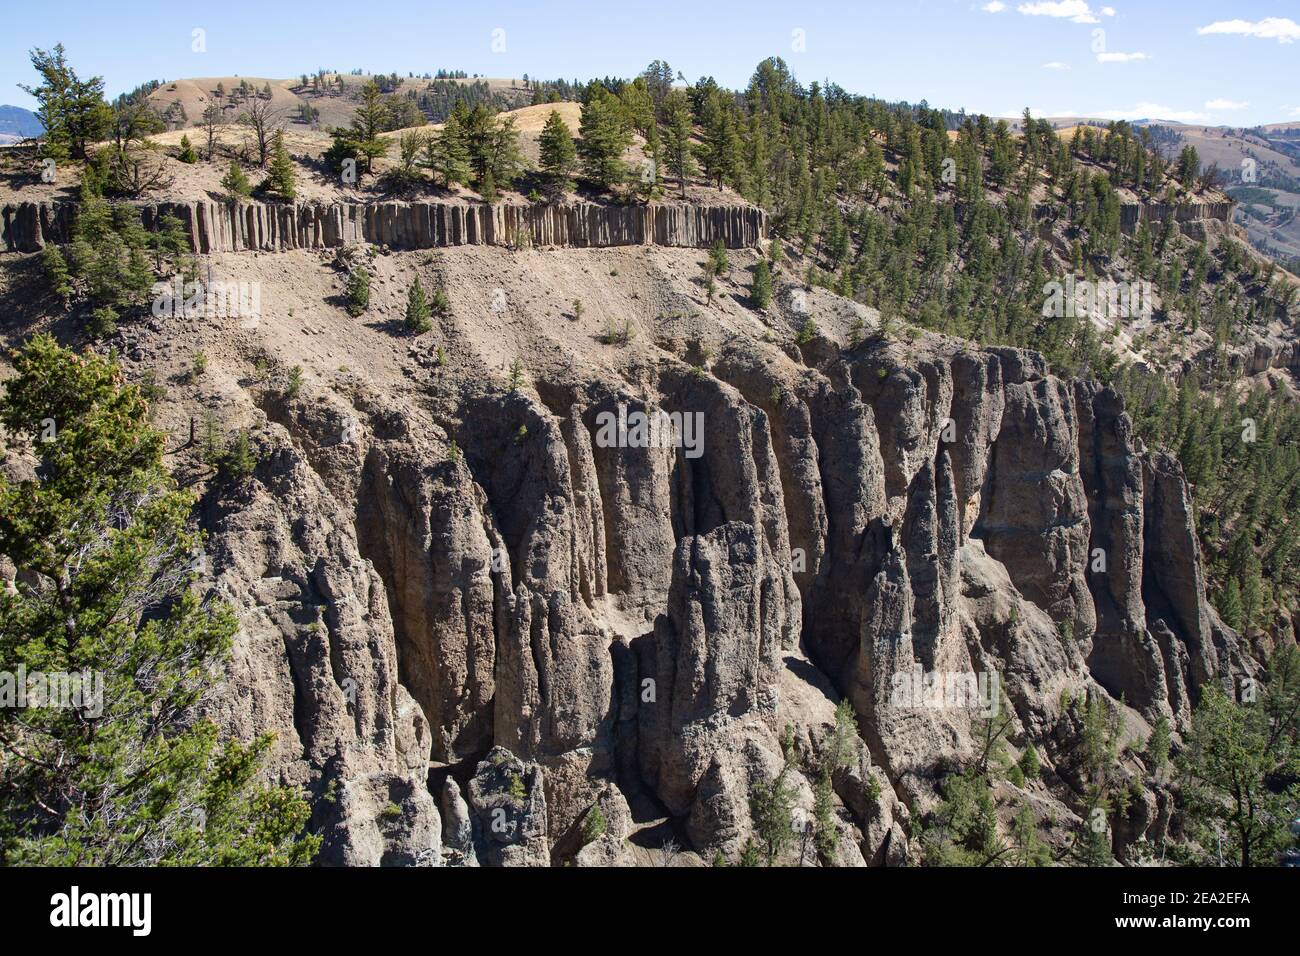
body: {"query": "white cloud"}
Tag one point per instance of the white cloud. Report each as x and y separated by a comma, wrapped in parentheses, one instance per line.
(1282, 29)
(1056, 65)
(996, 6)
(1224, 104)
(1121, 57)
(1107, 11)
(1154, 111)
(1292, 111)
(1076, 11)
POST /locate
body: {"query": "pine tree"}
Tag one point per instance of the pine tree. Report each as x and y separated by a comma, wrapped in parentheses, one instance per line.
(72, 110)
(446, 154)
(236, 183)
(1236, 771)
(57, 277)
(357, 292)
(771, 805)
(370, 119)
(493, 148)
(131, 773)
(417, 309)
(558, 153)
(606, 134)
(760, 291)
(721, 152)
(677, 139)
(281, 181)
(187, 154)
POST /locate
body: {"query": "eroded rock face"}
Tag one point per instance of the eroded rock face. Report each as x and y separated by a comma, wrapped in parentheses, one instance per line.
(315, 662)
(560, 617)
(508, 805)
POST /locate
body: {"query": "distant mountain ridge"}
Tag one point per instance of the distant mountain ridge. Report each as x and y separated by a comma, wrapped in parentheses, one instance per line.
(17, 123)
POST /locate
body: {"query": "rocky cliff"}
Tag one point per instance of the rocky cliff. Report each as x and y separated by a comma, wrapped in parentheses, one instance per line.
(1158, 212)
(226, 227)
(559, 626)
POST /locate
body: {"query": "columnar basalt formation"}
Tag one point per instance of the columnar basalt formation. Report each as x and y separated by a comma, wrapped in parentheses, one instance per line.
(237, 227)
(1130, 214)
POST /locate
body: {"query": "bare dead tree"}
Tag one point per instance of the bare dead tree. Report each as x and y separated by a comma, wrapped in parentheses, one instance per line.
(136, 171)
(263, 119)
(212, 118)
(667, 854)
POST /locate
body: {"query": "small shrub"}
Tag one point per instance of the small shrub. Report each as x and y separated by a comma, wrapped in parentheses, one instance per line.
(439, 302)
(103, 322)
(718, 262)
(1028, 763)
(236, 183)
(516, 375)
(517, 790)
(238, 461)
(294, 385)
(358, 291)
(594, 825)
(760, 289)
(417, 309)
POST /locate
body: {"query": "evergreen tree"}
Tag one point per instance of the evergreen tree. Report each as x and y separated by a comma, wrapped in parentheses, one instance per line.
(677, 139)
(58, 278)
(1237, 771)
(71, 109)
(236, 183)
(771, 805)
(447, 153)
(281, 181)
(761, 288)
(606, 134)
(1189, 166)
(493, 148)
(357, 292)
(417, 309)
(187, 154)
(107, 255)
(557, 152)
(370, 119)
(128, 774)
(488, 188)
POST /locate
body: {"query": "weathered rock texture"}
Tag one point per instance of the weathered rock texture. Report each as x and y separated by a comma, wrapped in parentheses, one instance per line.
(1130, 214)
(227, 227)
(571, 629)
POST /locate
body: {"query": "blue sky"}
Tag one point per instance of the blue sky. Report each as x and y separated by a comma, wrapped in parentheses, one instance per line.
(1232, 62)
